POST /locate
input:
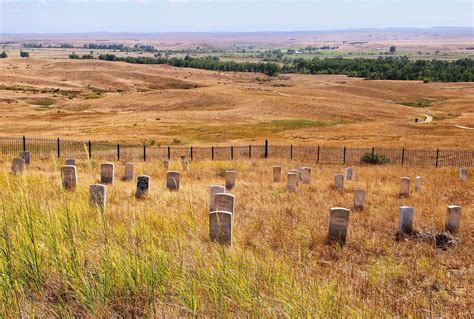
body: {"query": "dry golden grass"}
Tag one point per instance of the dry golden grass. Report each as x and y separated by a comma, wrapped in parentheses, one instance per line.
(141, 103)
(153, 257)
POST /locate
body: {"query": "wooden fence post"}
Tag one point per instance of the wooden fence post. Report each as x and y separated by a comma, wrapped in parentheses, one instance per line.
(24, 143)
(118, 152)
(232, 152)
(212, 152)
(318, 152)
(169, 152)
(344, 159)
(144, 152)
(90, 149)
(266, 148)
(403, 156)
(59, 150)
(437, 157)
(191, 152)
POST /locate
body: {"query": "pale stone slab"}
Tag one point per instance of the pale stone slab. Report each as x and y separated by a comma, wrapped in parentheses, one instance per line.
(229, 179)
(349, 173)
(166, 164)
(143, 186)
(71, 162)
(463, 174)
(418, 183)
(276, 174)
(225, 202)
(107, 173)
(405, 186)
(405, 219)
(98, 195)
(184, 163)
(292, 182)
(338, 181)
(453, 219)
(215, 189)
(359, 199)
(27, 157)
(18, 166)
(298, 175)
(172, 180)
(305, 175)
(220, 227)
(69, 176)
(338, 222)
(129, 172)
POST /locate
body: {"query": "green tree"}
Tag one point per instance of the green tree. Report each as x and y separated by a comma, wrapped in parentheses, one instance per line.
(73, 55)
(4, 55)
(24, 54)
(393, 49)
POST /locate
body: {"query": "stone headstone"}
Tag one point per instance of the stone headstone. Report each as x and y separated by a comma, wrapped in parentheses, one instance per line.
(229, 179)
(184, 163)
(143, 186)
(418, 183)
(129, 172)
(166, 164)
(215, 189)
(405, 220)
(107, 173)
(276, 174)
(98, 195)
(69, 176)
(453, 219)
(220, 227)
(359, 199)
(18, 166)
(405, 186)
(71, 162)
(349, 173)
(463, 174)
(172, 180)
(338, 222)
(225, 202)
(298, 175)
(292, 182)
(27, 157)
(305, 175)
(338, 181)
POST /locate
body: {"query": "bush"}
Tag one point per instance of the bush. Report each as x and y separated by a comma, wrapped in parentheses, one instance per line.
(4, 55)
(375, 159)
(24, 54)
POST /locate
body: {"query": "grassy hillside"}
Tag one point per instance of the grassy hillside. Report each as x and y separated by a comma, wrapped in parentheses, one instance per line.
(152, 257)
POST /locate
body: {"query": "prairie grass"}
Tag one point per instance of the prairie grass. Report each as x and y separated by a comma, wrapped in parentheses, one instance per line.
(60, 257)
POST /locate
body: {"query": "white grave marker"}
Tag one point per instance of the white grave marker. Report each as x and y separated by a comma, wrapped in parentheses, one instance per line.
(418, 183)
(69, 176)
(305, 173)
(18, 166)
(405, 186)
(359, 199)
(453, 219)
(405, 220)
(463, 174)
(338, 181)
(27, 157)
(292, 182)
(107, 173)
(349, 173)
(143, 186)
(229, 179)
(220, 227)
(129, 172)
(225, 202)
(214, 189)
(172, 180)
(98, 195)
(70, 162)
(276, 174)
(338, 222)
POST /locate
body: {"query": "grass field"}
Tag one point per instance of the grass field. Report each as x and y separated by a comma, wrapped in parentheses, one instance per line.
(152, 257)
(158, 104)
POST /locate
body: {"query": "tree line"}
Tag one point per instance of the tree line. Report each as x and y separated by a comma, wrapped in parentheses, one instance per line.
(382, 68)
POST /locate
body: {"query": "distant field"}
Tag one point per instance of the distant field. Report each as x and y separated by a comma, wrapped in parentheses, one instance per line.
(131, 103)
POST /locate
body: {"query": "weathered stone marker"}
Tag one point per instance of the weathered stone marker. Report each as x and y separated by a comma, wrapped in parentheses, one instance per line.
(18, 166)
(453, 219)
(71, 162)
(463, 174)
(338, 222)
(98, 195)
(298, 175)
(292, 181)
(405, 186)
(172, 180)
(69, 176)
(184, 163)
(359, 199)
(225, 202)
(405, 220)
(305, 173)
(107, 173)
(349, 173)
(229, 179)
(418, 183)
(27, 157)
(129, 172)
(143, 186)
(338, 181)
(214, 189)
(220, 227)
(166, 164)
(276, 174)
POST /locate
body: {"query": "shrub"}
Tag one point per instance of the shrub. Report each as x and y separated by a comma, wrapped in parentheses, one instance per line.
(375, 159)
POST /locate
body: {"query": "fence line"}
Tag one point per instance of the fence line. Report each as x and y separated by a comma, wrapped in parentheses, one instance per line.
(13, 146)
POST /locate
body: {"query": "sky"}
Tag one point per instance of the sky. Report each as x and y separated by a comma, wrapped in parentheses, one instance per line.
(68, 16)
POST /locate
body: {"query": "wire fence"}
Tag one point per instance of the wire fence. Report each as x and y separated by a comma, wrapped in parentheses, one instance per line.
(13, 146)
